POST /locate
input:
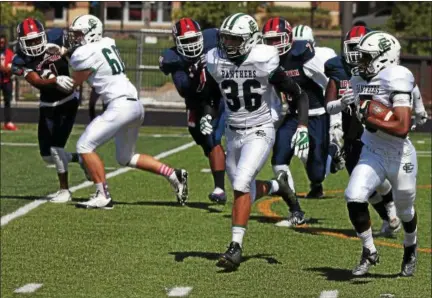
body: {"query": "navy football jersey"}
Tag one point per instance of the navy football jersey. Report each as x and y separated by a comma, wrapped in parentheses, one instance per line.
(339, 71)
(23, 64)
(186, 82)
(293, 62)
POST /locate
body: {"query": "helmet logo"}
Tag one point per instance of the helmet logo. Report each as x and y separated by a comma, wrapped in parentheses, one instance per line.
(92, 24)
(253, 26)
(384, 44)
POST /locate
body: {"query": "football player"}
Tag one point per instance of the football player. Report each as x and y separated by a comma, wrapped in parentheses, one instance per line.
(246, 72)
(387, 152)
(339, 98)
(186, 64)
(277, 32)
(58, 99)
(97, 60)
(305, 65)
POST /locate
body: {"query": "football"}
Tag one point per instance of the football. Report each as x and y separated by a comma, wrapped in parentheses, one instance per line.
(378, 110)
(47, 74)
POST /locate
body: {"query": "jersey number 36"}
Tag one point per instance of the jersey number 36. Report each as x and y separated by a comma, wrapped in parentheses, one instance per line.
(252, 101)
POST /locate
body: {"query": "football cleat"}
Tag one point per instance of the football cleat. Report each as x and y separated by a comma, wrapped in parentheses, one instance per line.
(218, 196)
(62, 196)
(388, 229)
(232, 258)
(296, 218)
(409, 261)
(316, 191)
(367, 260)
(181, 187)
(10, 126)
(97, 201)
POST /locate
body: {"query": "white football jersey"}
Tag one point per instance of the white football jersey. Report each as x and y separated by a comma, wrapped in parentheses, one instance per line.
(108, 77)
(246, 89)
(388, 82)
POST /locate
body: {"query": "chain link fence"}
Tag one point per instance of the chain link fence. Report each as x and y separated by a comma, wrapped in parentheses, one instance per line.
(140, 51)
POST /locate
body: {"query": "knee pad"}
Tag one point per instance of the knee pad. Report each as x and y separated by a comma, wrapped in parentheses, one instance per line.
(60, 159)
(384, 188)
(375, 198)
(48, 159)
(127, 160)
(407, 214)
(355, 195)
(359, 215)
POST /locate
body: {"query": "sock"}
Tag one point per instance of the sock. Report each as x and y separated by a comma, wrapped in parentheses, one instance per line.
(103, 188)
(367, 240)
(410, 238)
(166, 171)
(382, 210)
(218, 191)
(391, 209)
(274, 186)
(219, 179)
(238, 234)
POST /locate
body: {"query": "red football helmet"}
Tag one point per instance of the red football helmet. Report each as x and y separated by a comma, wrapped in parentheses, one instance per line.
(188, 37)
(352, 38)
(31, 37)
(278, 32)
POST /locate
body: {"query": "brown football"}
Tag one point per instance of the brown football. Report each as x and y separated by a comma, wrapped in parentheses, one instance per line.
(379, 111)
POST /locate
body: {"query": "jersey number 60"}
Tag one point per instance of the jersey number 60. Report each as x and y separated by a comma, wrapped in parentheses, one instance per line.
(115, 62)
(252, 101)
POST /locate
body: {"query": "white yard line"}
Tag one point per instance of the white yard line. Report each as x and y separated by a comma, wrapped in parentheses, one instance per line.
(179, 291)
(329, 294)
(28, 288)
(19, 144)
(30, 206)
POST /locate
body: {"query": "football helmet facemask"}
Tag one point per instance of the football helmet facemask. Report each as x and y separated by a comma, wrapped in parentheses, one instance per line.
(188, 38)
(352, 39)
(277, 32)
(31, 37)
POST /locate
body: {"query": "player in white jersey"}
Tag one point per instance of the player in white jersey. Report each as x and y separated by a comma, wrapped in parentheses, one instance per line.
(97, 60)
(246, 73)
(387, 152)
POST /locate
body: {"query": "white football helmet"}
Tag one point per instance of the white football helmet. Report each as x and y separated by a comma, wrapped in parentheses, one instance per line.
(302, 32)
(238, 34)
(85, 29)
(378, 50)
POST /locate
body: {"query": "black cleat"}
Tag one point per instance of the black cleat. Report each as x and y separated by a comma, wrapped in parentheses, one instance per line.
(182, 186)
(218, 198)
(409, 261)
(316, 191)
(367, 260)
(285, 190)
(231, 259)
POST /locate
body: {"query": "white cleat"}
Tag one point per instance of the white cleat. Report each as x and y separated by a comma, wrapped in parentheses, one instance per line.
(294, 219)
(62, 196)
(388, 229)
(97, 201)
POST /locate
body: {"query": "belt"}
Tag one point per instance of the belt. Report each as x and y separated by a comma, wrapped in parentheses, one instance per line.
(242, 128)
(73, 95)
(131, 99)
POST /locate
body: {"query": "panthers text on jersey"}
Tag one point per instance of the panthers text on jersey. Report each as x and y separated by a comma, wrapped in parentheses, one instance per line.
(108, 77)
(306, 66)
(187, 83)
(58, 65)
(339, 71)
(246, 89)
(388, 82)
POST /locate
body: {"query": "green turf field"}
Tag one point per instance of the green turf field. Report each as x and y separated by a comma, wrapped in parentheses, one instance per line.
(147, 245)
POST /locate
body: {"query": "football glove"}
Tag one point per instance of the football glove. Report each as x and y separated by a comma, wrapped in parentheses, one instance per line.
(336, 134)
(347, 98)
(65, 83)
(362, 111)
(421, 118)
(300, 143)
(205, 125)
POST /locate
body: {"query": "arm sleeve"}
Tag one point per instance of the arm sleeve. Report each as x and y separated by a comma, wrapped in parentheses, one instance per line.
(183, 83)
(417, 100)
(212, 96)
(401, 100)
(82, 60)
(19, 67)
(316, 72)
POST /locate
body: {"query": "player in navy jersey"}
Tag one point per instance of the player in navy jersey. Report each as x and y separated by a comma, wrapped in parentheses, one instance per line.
(58, 101)
(338, 98)
(186, 64)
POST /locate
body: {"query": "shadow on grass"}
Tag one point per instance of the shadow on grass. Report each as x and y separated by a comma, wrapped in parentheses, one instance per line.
(345, 275)
(323, 231)
(275, 219)
(28, 198)
(180, 256)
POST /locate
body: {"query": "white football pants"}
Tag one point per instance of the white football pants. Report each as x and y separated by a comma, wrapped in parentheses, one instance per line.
(247, 152)
(122, 121)
(376, 165)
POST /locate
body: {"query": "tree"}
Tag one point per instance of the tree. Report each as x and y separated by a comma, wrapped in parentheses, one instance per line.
(412, 20)
(10, 20)
(211, 14)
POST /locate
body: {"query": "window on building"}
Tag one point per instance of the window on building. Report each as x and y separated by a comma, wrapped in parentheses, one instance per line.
(167, 8)
(135, 11)
(153, 11)
(113, 11)
(59, 12)
(160, 11)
